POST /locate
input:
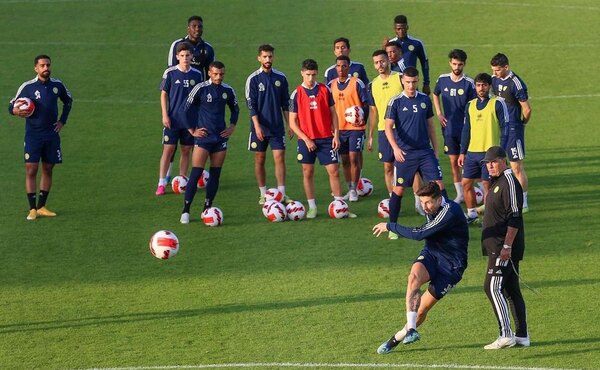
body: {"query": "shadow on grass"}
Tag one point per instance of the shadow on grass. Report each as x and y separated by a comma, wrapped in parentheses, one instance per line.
(238, 308)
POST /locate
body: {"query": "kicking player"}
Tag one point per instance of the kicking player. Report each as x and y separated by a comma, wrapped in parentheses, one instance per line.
(341, 46)
(314, 121)
(267, 96)
(452, 92)
(484, 119)
(210, 132)
(410, 131)
(507, 85)
(349, 91)
(176, 84)
(442, 261)
(42, 140)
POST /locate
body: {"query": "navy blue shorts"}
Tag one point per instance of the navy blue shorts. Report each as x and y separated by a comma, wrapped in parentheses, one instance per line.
(514, 143)
(255, 145)
(211, 144)
(422, 161)
(324, 152)
(352, 141)
(443, 277)
(46, 148)
(473, 168)
(452, 145)
(386, 153)
(171, 136)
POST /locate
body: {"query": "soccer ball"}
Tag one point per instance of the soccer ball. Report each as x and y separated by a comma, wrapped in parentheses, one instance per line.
(355, 115)
(164, 244)
(203, 180)
(212, 216)
(364, 187)
(338, 209)
(295, 210)
(178, 184)
(478, 194)
(266, 206)
(25, 104)
(274, 194)
(383, 208)
(276, 212)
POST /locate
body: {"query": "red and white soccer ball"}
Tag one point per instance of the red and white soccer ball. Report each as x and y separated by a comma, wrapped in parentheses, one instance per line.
(478, 194)
(338, 209)
(295, 210)
(25, 104)
(178, 184)
(203, 180)
(164, 244)
(276, 212)
(355, 115)
(266, 206)
(274, 194)
(364, 187)
(212, 216)
(383, 208)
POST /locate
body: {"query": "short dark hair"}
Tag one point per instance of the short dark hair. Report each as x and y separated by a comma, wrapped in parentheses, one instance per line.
(431, 189)
(400, 19)
(343, 57)
(499, 60)
(216, 64)
(266, 47)
(310, 65)
(41, 56)
(183, 46)
(379, 52)
(393, 43)
(195, 18)
(411, 72)
(342, 39)
(458, 54)
(484, 77)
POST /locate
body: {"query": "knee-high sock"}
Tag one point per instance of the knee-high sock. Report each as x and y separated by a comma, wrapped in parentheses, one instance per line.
(395, 204)
(212, 186)
(191, 188)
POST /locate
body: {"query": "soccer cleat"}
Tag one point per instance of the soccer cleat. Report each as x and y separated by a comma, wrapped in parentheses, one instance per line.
(525, 210)
(347, 196)
(411, 336)
(472, 220)
(523, 341)
(353, 196)
(160, 190)
(392, 236)
(287, 200)
(262, 200)
(185, 218)
(387, 346)
(45, 212)
(32, 214)
(312, 213)
(501, 342)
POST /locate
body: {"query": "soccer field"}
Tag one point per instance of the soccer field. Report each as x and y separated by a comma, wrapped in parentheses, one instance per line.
(82, 291)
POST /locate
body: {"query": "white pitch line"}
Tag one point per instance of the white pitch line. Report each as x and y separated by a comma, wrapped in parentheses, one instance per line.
(330, 365)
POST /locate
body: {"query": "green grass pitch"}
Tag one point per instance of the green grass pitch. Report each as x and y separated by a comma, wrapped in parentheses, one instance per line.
(82, 290)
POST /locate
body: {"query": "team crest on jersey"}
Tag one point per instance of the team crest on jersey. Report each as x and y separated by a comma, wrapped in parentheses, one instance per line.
(37, 94)
(355, 74)
(423, 105)
(411, 47)
(496, 189)
(224, 96)
(277, 83)
(192, 82)
(261, 87)
(209, 98)
(55, 90)
(461, 92)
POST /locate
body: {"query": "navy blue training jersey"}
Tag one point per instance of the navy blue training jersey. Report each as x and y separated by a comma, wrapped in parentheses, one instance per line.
(205, 107)
(410, 116)
(356, 69)
(45, 96)
(413, 49)
(268, 96)
(178, 85)
(446, 234)
(454, 97)
(513, 90)
(202, 55)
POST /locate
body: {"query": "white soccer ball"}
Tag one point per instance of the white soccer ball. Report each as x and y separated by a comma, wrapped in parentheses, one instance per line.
(478, 194)
(383, 208)
(178, 184)
(338, 209)
(274, 194)
(265, 207)
(295, 210)
(355, 115)
(25, 104)
(364, 187)
(212, 216)
(276, 212)
(164, 244)
(203, 180)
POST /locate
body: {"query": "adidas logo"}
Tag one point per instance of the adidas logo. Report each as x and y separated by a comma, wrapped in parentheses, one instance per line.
(177, 82)
(404, 109)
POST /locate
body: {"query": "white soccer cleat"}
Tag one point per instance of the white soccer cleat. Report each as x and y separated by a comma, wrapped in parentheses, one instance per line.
(353, 196)
(185, 218)
(523, 341)
(501, 342)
